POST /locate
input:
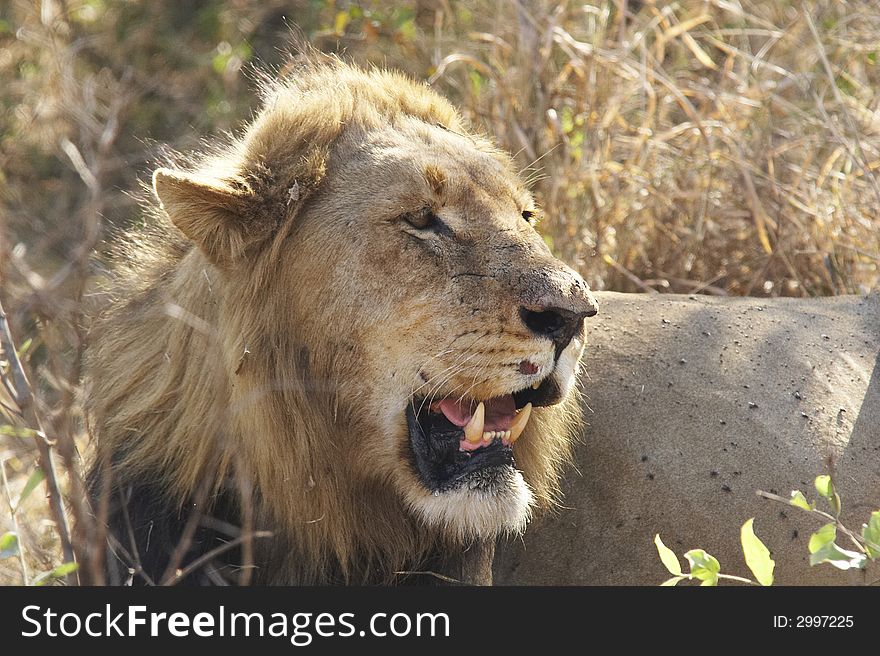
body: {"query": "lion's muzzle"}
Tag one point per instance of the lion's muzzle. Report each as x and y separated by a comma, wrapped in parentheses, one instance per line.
(553, 300)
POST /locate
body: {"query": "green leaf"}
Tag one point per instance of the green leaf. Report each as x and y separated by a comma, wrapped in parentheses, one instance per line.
(566, 119)
(33, 481)
(669, 583)
(871, 535)
(65, 569)
(9, 545)
(341, 21)
(703, 566)
(24, 348)
(824, 536)
(7, 430)
(824, 486)
(40, 579)
(756, 554)
(835, 503)
(799, 500)
(476, 82)
(58, 573)
(839, 558)
(670, 560)
(407, 30)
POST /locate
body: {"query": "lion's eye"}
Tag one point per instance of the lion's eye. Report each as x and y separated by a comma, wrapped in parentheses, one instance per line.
(529, 215)
(424, 219)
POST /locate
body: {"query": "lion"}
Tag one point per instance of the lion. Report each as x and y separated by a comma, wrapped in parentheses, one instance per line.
(342, 330)
(695, 404)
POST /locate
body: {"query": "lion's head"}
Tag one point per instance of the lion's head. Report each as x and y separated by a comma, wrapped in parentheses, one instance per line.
(368, 324)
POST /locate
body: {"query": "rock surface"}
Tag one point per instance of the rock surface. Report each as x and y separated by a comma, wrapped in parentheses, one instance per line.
(691, 405)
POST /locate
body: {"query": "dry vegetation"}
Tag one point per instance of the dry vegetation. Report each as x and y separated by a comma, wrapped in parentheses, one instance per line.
(711, 146)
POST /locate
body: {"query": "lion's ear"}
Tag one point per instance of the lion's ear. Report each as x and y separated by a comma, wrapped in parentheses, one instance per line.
(212, 214)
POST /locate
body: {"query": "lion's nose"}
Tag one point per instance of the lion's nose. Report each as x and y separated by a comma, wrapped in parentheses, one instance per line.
(554, 301)
(559, 324)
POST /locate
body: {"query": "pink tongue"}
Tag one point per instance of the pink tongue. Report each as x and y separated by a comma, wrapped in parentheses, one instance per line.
(500, 412)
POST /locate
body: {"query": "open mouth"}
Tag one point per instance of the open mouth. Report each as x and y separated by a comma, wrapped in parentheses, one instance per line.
(468, 442)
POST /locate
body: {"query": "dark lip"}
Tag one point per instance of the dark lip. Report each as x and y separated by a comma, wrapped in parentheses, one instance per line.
(440, 463)
(548, 393)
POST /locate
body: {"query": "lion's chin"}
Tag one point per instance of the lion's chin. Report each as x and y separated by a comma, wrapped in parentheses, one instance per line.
(469, 485)
(500, 506)
(462, 454)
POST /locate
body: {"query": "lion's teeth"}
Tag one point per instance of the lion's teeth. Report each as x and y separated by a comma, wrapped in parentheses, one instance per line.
(536, 384)
(519, 422)
(473, 432)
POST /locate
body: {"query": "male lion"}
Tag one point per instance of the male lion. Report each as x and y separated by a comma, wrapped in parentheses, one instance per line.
(344, 330)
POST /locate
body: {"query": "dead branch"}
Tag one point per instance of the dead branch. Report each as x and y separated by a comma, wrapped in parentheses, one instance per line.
(22, 395)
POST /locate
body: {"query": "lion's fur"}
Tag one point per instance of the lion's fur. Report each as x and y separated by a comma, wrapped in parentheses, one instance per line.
(205, 368)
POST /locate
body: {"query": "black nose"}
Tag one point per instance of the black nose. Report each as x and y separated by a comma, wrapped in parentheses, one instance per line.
(559, 324)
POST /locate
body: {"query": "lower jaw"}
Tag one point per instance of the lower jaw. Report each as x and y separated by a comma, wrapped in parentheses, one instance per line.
(442, 466)
(444, 461)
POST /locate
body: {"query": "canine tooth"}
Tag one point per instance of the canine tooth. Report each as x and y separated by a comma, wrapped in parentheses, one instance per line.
(519, 422)
(473, 432)
(506, 435)
(536, 384)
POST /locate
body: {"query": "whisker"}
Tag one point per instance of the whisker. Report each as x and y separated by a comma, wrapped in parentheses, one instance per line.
(444, 380)
(538, 159)
(454, 364)
(441, 353)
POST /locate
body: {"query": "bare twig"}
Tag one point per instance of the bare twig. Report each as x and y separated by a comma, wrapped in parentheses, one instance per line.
(629, 275)
(13, 511)
(119, 549)
(210, 555)
(436, 575)
(247, 528)
(172, 572)
(24, 399)
(134, 557)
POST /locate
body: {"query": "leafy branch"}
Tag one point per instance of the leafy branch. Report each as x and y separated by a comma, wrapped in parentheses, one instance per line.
(822, 545)
(706, 568)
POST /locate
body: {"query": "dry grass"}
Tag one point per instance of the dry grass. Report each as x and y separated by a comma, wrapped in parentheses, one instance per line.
(715, 146)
